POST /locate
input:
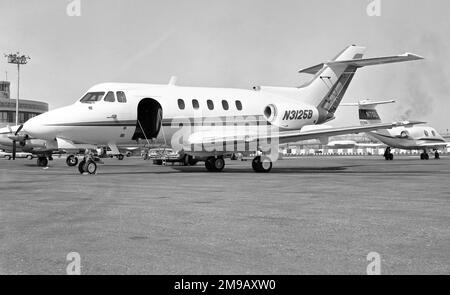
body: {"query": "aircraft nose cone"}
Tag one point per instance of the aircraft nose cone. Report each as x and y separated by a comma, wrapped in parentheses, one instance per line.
(34, 127)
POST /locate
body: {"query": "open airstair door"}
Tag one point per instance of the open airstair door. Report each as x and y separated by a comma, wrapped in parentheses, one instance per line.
(149, 118)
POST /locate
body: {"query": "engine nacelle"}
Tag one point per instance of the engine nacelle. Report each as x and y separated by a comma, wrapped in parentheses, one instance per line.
(291, 116)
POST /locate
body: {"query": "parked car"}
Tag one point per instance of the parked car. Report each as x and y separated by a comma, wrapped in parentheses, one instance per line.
(19, 155)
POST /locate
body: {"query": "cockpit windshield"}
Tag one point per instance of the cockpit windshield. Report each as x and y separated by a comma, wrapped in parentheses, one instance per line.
(92, 97)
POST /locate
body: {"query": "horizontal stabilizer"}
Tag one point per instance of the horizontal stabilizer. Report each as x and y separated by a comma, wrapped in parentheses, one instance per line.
(363, 62)
(367, 103)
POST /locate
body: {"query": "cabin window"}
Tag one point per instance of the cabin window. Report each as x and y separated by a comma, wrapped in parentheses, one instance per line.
(225, 105)
(195, 104)
(210, 104)
(181, 104)
(110, 97)
(92, 97)
(239, 105)
(121, 96)
(426, 133)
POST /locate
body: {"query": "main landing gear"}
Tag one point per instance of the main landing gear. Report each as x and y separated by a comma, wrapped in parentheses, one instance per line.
(259, 164)
(42, 161)
(424, 155)
(388, 155)
(189, 161)
(215, 164)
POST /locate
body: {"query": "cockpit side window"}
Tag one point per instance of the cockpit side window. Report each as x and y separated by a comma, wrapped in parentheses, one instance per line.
(433, 132)
(121, 96)
(110, 97)
(426, 133)
(92, 97)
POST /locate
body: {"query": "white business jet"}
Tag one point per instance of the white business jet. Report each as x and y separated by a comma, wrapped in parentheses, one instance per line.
(421, 138)
(208, 124)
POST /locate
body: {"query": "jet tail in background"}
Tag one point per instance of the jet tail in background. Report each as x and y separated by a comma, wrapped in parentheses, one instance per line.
(368, 113)
(367, 110)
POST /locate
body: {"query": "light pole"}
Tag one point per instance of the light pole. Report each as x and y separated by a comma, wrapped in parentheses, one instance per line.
(16, 58)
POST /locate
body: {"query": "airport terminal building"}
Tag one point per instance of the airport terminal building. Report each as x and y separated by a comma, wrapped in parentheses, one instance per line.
(27, 108)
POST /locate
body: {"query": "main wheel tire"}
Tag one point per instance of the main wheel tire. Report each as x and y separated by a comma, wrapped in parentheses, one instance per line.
(71, 161)
(8, 157)
(82, 167)
(189, 161)
(192, 162)
(214, 164)
(42, 162)
(91, 167)
(255, 163)
(436, 155)
(120, 157)
(30, 157)
(219, 164)
(426, 156)
(265, 164)
(391, 157)
(262, 164)
(209, 165)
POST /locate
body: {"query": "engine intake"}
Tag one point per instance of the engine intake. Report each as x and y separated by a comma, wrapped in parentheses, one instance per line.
(291, 116)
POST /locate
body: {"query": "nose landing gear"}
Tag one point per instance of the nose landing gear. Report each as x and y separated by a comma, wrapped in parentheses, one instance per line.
(388, 155)
(436, 155)
(87, 165)
(71, 160)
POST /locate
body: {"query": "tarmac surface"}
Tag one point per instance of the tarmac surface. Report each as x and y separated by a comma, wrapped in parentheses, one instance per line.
(315, 215)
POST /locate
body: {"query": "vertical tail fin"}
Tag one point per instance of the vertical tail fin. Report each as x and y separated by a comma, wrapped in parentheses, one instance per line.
(368, 113)
(330, 82)
(332, 78)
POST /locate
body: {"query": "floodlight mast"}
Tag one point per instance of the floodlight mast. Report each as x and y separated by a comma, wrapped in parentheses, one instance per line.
(16, 58)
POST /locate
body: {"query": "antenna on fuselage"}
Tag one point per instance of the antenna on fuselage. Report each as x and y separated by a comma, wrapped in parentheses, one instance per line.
(173, 80)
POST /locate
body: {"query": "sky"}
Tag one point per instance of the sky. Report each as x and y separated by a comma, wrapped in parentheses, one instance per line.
(235, 43)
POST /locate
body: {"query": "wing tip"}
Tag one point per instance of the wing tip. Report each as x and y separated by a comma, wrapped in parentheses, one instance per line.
(412, 56)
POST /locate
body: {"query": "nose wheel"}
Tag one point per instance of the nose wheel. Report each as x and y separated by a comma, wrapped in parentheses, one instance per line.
(436, 155)
(388, 155)
(87, 166)
(71, 161)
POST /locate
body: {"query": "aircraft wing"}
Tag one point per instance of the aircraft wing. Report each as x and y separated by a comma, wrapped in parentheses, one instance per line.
(208, 137)
(328, 132)
(67, 144)
(433, 144)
